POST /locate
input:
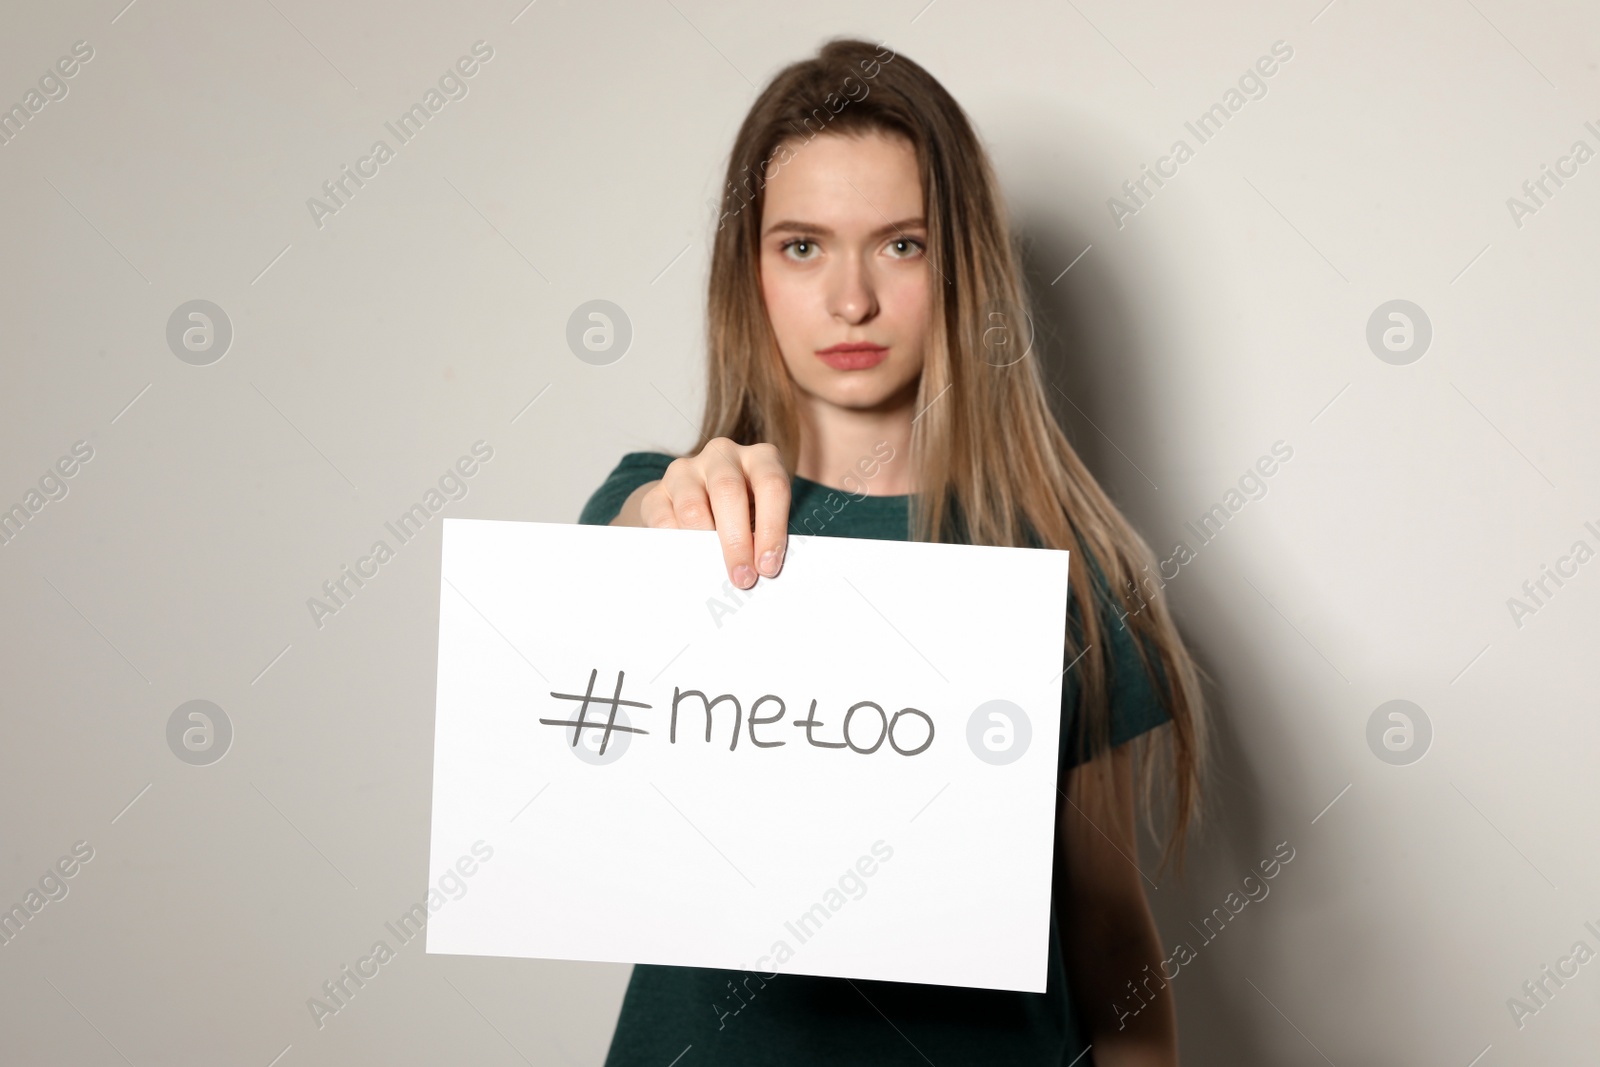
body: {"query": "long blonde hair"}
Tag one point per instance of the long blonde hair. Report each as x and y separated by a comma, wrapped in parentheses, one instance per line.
(988, 455)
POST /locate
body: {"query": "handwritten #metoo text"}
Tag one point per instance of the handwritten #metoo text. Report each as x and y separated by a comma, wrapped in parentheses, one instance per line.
(904, 739)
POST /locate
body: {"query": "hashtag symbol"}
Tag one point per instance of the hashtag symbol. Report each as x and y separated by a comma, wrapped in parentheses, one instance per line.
(582, 722)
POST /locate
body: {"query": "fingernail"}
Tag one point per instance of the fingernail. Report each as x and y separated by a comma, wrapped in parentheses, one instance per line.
(769, 562)
(743, 576)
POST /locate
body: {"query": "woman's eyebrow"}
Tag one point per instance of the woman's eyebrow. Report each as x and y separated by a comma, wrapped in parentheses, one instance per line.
(791, 225)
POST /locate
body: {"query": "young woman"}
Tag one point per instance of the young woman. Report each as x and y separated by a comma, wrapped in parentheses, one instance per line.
(865, 382)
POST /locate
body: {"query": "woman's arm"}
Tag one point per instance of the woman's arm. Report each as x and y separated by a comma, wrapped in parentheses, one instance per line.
(630, 515)
(1108, 935)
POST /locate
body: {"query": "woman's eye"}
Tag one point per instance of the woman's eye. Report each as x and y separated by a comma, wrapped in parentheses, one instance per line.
(799, 248)
(905, 247)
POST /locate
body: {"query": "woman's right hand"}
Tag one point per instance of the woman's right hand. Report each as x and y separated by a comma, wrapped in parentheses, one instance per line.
(714, 491)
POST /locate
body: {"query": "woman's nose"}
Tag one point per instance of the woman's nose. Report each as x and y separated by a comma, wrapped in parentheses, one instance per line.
(853, 299)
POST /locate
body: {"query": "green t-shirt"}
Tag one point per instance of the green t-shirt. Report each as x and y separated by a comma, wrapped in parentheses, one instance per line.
(668, 1012)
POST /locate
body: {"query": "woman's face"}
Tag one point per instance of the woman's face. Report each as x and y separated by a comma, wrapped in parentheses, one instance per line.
(842, 264)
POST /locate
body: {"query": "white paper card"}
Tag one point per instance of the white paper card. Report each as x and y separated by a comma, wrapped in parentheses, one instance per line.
(920, 851)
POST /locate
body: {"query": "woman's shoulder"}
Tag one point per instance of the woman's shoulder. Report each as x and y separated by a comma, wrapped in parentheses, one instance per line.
(634, 470)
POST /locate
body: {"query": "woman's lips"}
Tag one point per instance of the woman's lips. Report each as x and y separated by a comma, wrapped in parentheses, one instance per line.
(854, 356)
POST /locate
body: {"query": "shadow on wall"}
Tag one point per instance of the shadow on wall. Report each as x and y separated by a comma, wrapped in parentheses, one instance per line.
(1090, 348)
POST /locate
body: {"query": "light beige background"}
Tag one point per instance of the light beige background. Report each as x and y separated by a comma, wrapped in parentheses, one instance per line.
(369, 354)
